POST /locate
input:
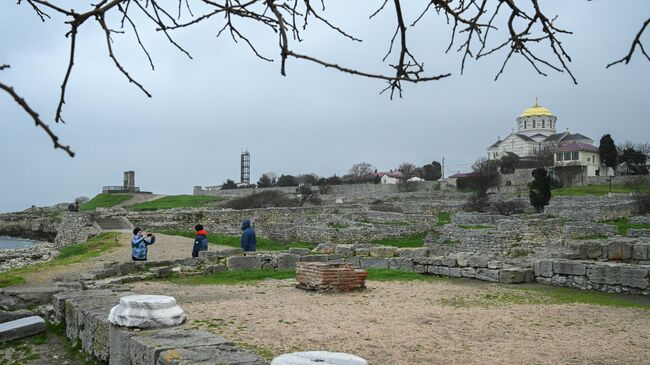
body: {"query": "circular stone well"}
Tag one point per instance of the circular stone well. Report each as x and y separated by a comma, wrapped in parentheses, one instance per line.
(318, 358)
(147, 311)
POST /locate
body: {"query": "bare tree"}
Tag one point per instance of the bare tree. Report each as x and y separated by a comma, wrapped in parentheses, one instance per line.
(359, 172)
(408, 170)
(476, 22)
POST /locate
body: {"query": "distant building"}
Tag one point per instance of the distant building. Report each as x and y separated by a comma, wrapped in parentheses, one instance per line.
(245, 176)
(128, 185)
(535, 134)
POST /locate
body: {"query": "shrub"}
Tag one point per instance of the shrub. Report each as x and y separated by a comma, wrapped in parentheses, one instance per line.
(642, 203)
(477, 202)
(264, 199)
(511, 207)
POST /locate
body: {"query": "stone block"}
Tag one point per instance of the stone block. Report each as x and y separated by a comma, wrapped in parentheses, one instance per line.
(468, 272)
(530, 276)
(162, 272)
(455, 272)
(94, 329)
(544, 268)
(394, 263)
(486, 274)
(449, 262)
(120, 345)
(605, 273)
(345, 250)
(74, 319)
(494, 264)
(641, 251)
(355, 261)
(33, 295)
(58, 300)
(383, 251)
(335, 258)
(634, 277)
(413, 252)
(269, 262)
(314, 258)
(614, 251)
(299, 251)
(373, 263)
(8, 316)
(20, 328)
(324, 248)
(627, 250)
(420, 269)
(244, 263)
(210, 257)
(439, 270)
(287, 261)
(145, 346)
(569, 268)
(362, 251)
(407, 265)
(477, 261)
(512, 276)
(223, 354)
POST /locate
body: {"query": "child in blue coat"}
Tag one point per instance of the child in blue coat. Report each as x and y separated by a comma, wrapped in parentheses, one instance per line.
(140, 243)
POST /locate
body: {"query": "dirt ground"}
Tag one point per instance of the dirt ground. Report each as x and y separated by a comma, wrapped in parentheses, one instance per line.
(165, 247)
(416, 323)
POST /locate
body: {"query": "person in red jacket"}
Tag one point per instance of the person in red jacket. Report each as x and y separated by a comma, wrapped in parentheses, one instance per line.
(200, 241)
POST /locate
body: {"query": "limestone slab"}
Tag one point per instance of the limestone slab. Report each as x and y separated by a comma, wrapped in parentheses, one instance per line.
(318, 358)
(147, 311)
(20, 328)
(244, 263)
(224, 354)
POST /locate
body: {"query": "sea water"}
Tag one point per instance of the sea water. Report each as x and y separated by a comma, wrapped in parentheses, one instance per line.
(11, 243)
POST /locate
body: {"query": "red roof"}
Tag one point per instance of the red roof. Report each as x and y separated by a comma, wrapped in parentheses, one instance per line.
(461, 174)
(578, 146)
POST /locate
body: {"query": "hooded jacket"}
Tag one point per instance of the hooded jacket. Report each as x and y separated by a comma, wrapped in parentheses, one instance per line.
(200, 242)
(248, 241)
(139, 246)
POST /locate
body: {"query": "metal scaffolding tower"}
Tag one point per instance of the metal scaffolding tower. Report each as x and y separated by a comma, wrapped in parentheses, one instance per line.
(245, 168)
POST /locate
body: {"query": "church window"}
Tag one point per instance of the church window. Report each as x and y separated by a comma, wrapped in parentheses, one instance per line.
(567, 156)
(575, 155)
(558, 156)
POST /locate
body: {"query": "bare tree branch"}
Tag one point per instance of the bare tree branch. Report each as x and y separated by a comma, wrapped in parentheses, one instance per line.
(637, 41)
(37, 120)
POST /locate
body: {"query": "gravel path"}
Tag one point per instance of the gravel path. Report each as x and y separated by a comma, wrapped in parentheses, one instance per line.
(416, 323)
(165, 247)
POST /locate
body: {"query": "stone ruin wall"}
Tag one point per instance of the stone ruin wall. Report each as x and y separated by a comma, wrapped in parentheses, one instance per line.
(307, 224)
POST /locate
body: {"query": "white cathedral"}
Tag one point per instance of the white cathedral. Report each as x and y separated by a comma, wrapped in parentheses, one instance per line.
(536, 131)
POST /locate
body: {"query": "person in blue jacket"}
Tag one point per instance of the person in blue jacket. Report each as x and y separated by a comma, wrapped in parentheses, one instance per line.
(248, 240)
(140, 243)
(200, 240)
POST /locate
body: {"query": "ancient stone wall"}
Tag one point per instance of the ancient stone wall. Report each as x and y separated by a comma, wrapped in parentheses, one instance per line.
(308, 224)
(589, 275)
(35, 224)
(75, 227)
(591, 208)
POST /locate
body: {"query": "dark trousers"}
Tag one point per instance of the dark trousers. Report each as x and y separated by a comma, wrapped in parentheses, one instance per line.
(137, 259)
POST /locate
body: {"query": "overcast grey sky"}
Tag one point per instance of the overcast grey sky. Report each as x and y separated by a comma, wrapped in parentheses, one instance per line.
(204, 111)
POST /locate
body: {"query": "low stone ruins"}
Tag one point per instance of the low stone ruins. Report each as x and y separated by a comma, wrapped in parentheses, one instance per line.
(329, 276)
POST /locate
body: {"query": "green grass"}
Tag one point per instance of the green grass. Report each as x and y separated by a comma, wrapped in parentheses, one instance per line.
(624, 225)
(176, 201)
(234, 277)
(337, 225)
(597, 190)
(68, 255)
(543, 295)
(443, 218)
(478, 226)
(105, 201)
(263, 244)
(413, 240)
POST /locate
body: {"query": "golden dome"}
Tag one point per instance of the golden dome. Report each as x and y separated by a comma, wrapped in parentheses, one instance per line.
(536, 110)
